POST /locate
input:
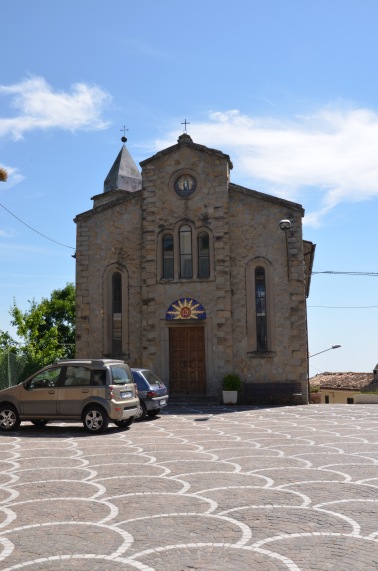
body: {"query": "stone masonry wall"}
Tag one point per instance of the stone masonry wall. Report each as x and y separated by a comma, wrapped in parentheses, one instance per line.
(208, 207)
(255, 231)
(125, 229)
(105, 236)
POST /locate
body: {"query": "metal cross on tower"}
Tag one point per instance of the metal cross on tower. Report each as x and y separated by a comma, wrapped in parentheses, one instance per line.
(124, 139)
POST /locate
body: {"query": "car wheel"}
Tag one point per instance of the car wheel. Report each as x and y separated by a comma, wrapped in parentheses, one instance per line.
(95, 419)
(9, 418)
(124, 423)
(39, 422)
(142, 411)
(154, 412)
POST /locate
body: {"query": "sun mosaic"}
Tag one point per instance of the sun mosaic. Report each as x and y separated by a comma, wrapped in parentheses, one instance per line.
(185, 308)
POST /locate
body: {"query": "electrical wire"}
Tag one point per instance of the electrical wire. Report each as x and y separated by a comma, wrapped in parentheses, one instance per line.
(34, 230)
(347, 273)
(345, 306)
(312, 273)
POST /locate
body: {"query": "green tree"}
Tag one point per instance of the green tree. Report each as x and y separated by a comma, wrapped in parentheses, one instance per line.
(47, 328)
(7, 343)
(12, 363)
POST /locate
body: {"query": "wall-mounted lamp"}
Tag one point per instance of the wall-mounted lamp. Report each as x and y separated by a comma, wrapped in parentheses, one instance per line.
(285, 225)
(324, 350)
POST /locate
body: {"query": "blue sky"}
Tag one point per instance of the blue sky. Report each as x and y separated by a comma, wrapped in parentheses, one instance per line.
(288, 89)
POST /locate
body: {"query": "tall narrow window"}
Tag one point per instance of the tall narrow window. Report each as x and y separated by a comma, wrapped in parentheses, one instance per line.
(261, 321)
(203, 255)
(168, 256)
(117, 312)
(186, 265)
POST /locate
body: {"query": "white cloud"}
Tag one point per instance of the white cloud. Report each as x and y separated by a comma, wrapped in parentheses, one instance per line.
(38, 106)
(332, 153)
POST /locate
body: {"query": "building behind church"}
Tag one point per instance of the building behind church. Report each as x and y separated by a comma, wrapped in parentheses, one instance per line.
(183, 272)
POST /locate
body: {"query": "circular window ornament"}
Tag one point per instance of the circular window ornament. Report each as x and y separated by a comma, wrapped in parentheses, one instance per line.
(185, 185)
(185, 312)
(185, 308)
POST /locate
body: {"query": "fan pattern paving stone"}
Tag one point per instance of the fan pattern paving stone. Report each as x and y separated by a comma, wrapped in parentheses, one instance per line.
(198, 488)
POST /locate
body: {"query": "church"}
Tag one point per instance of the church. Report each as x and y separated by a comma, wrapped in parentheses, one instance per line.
(184, 272)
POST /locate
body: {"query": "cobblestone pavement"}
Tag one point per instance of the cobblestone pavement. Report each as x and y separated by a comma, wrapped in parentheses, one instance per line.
(213, 489)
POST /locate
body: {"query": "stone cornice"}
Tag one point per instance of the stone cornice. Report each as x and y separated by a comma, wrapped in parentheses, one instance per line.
(186, 142)
(267, 197)
(126, 197)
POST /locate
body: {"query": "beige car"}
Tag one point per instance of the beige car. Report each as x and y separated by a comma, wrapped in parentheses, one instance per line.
(94, 391)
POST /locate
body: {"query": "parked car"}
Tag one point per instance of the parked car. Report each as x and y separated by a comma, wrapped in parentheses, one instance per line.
(152, 392)
(94, 391)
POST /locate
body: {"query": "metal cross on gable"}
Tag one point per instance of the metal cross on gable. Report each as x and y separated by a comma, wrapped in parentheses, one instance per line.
(185, 123)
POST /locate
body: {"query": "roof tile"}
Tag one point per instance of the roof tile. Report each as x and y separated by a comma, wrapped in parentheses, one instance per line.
(346, 381)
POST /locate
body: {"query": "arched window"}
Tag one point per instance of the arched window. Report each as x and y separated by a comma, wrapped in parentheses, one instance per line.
(186, 264)
(116, 312)
(203, 255)
(261, 329)
(168, 257)
(185, 252)
(261, 318)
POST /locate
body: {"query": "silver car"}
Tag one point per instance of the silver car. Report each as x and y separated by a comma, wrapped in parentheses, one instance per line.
(94, 391)
(152, 392)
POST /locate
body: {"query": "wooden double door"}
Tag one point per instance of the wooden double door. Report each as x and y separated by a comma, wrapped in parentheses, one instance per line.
(187, 360)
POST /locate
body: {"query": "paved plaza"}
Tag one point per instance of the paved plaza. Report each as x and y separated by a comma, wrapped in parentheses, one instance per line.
(212, 488)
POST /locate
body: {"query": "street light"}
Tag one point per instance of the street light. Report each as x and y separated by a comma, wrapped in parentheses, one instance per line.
(324, 350)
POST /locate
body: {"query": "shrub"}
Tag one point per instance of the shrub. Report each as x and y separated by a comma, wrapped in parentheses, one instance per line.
(231, 382)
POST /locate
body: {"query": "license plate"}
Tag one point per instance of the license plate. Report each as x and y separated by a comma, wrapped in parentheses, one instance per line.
(126, 395)
(162, 402)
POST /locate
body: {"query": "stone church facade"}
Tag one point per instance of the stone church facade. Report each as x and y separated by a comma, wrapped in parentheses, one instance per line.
(183, 272)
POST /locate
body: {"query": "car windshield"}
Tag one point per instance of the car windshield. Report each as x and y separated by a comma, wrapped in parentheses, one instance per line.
(121, 374)
(152, 378)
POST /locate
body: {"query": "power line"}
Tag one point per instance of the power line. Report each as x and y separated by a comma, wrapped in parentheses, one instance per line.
(312, 273)
(345, 306)
(347, 273)
(36, 231)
